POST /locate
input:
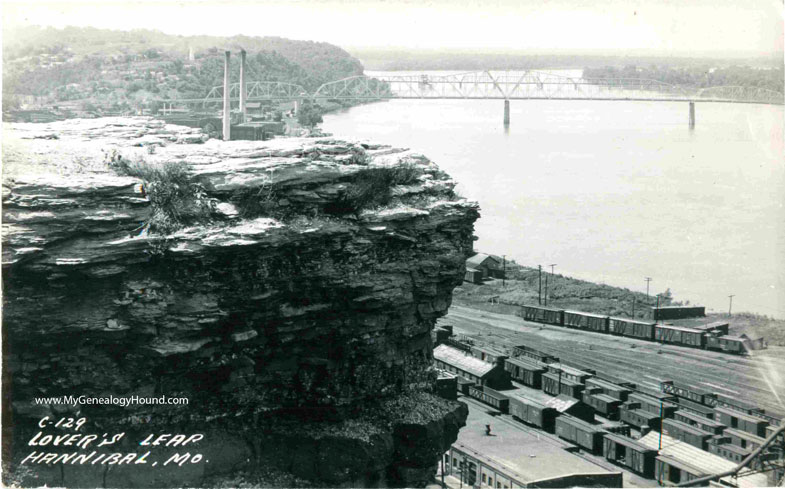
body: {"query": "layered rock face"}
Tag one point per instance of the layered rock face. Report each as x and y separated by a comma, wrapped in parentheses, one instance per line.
(295, 316)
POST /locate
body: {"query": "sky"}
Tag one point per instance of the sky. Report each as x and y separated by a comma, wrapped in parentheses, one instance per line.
(675, 27)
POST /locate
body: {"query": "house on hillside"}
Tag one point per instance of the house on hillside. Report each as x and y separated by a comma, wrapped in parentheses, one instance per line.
(489, 266)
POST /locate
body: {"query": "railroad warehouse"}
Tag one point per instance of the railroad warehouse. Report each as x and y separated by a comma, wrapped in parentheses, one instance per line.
(677, 312)
(681, 462)
(478, 460)
(488, 266)
(489, 354)
(470, 368)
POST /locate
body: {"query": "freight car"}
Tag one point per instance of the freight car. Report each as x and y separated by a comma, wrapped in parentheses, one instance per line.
(525, 371)
(679, 335)
(629, 453)
(723, 447)
(728, 344)
(581, 433)
(545, 315)
(740, 421)
(743, 439)
(617, 391)
(686, 433)
(604, 404)
(533, 354)
(639, 419)
(490, 397)
(586, 321)
(533, 413)
(696, 408)
(692, 419)
(692, 393)
(629, 327)
(677, 312)
(553, 385)
(717, 327)
(570, 373)
(652, 404)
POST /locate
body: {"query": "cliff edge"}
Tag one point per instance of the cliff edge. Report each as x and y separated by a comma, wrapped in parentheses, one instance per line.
(287, 289)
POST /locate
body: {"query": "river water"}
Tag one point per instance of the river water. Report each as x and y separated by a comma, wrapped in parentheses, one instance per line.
(613, 191)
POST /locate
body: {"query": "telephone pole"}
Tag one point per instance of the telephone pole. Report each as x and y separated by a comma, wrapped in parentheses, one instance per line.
(731, 303)
(539, 289)
(545, 297)
(647, 279)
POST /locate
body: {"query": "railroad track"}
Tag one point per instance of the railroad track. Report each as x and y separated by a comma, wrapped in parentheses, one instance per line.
(612, 355)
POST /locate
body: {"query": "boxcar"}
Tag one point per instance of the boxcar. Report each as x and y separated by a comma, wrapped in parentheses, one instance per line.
(728, 344)
(686, 433)
(570, 373)
(631, 328)
(679, 335)
(639, 419)
(604, 404)
(616, 427)
(543, 315)
(490, 397)
(652, 404)
(629, 453)
(697, 408)
(532, 412)
(525, 371)
(741, 421)
(677, 312)
(743, 439)
(692, 393)
(671, 471)
(555, 386)
(692, 419)
(581, 433)
(533, 354)
(724, 448)
(718, 327)
(736, 405)
(616, 391)
(586, 321)
(464, 384)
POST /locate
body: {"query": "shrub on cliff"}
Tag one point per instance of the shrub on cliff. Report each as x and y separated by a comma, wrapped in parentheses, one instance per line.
(373, 187)
(177, 201)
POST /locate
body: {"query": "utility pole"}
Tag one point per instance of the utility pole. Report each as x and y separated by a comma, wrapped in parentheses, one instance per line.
(552, 265)
(660, 448)
(545, 296)
(731, 303)
(647, 279)
(657, 311)
(539, 290)
(504, 270)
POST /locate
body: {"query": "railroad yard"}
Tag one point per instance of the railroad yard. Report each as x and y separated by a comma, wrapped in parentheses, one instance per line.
(758, 379)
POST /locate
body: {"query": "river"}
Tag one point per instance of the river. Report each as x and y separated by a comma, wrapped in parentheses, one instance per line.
(612, 191)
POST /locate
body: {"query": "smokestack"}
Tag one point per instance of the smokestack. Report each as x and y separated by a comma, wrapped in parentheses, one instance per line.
(242, 86)
(227, 107)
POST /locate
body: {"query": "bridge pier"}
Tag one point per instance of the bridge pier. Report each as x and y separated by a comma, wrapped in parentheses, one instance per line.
(506, 112)
(692, 115)
(227, 119)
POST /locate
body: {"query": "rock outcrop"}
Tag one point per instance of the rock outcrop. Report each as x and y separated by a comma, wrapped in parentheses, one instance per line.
(295, 315)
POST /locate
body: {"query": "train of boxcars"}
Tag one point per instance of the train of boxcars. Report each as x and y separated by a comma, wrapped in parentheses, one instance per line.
(714, 423)
(709, 337)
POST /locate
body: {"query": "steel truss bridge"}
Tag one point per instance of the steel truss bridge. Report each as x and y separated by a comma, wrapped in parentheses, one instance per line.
(528, 85)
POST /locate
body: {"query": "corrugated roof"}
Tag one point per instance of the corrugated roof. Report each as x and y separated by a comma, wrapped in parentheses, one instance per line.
(478, 259)
(629, 442)
(707, 463)
(743, 434)
(462, 361)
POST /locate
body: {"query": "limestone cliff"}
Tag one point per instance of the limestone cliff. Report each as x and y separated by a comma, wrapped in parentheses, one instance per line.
(294, 312)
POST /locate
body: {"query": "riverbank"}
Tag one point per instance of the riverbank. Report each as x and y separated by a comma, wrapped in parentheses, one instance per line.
(522, 287)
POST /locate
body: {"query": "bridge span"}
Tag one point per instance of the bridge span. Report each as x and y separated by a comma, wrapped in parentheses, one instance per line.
(485, 85)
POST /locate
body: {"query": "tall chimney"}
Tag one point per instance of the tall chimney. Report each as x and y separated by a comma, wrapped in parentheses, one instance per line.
(243, 110)
(227, 107)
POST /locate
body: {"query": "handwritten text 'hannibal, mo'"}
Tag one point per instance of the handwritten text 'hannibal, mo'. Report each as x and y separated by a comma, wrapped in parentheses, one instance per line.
(80, 448)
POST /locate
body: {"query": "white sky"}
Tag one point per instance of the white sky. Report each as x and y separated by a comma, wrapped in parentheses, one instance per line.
(658, 26)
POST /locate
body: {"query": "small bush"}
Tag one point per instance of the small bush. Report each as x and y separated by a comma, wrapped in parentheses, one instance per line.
(373, 187)
(177, 200)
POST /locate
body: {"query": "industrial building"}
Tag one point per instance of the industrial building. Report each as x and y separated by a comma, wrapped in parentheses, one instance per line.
(470, 368)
